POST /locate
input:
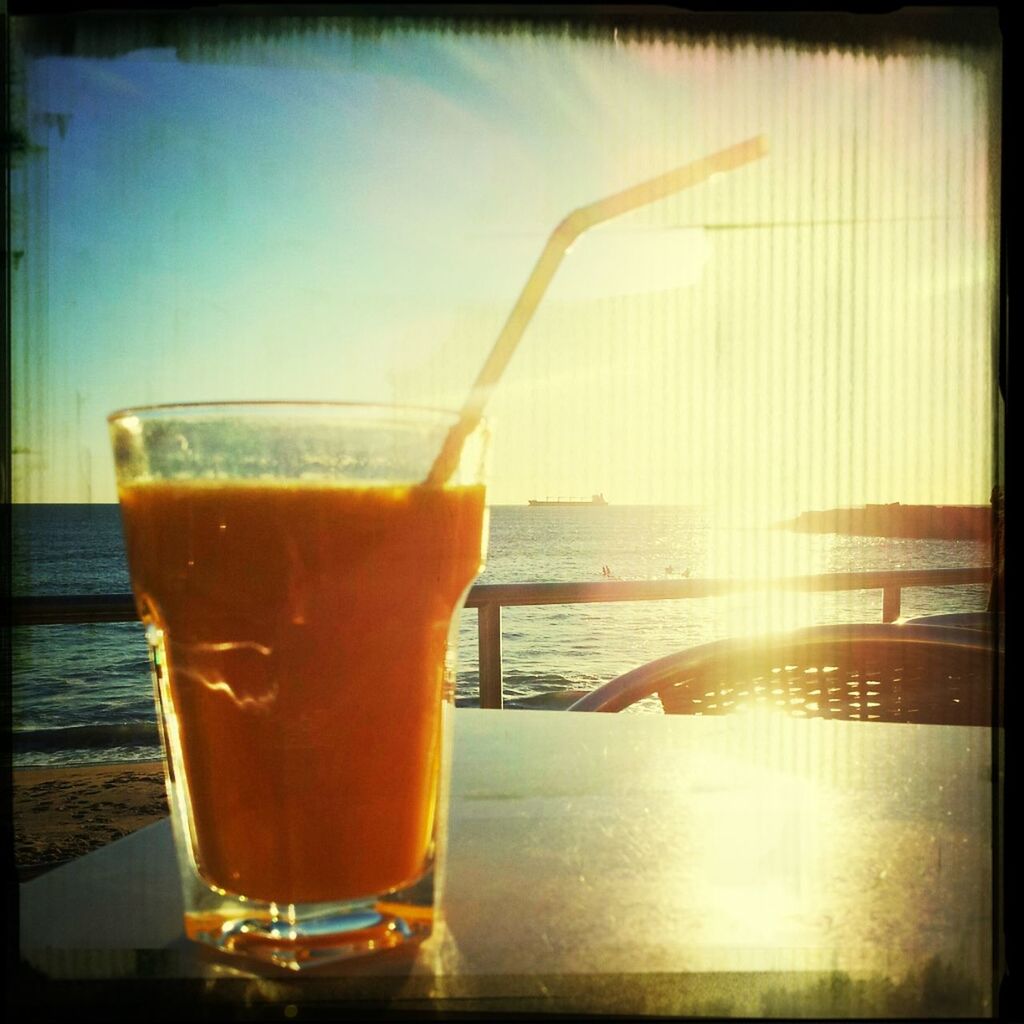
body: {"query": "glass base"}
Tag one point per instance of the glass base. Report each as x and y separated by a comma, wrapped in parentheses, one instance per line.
(300, 936)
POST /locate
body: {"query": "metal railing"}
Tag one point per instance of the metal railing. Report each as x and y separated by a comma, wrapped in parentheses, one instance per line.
(490, 598)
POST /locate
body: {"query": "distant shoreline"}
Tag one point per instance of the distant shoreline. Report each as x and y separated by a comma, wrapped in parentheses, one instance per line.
(949, 522)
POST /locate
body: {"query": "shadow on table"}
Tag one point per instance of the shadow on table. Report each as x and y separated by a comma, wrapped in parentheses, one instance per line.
(937, 990)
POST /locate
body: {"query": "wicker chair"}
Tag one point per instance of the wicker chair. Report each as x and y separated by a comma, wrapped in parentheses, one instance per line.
(874, 672)
(986, 622)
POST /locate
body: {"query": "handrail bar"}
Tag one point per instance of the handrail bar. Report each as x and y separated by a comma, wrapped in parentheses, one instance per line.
(490, 598)
(59, 610)
(85, 608)
(517, 594)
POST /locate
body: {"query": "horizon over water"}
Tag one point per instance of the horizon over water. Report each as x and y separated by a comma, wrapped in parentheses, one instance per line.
(82, 693)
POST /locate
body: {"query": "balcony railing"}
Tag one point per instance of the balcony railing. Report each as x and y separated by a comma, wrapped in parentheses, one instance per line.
(490, 598)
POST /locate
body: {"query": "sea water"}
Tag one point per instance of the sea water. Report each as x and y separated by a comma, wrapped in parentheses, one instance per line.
(82, 693)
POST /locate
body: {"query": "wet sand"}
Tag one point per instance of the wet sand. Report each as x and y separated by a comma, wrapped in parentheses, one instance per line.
(63, 813)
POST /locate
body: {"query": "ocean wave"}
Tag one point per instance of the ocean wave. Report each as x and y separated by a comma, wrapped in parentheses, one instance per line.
(87, 737)
(79, 757)
(551, 691)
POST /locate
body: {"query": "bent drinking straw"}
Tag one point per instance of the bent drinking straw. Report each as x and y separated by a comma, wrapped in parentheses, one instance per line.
(544, 269)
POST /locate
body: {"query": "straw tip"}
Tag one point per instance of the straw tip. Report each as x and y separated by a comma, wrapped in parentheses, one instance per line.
(759, 145)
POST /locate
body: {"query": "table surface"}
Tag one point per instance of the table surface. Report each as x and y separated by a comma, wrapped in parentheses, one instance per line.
(752, 865)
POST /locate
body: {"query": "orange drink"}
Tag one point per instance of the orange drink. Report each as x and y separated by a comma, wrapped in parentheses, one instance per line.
(300, 631)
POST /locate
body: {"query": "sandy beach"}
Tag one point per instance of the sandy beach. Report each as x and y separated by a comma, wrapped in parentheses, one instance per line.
(63, 813)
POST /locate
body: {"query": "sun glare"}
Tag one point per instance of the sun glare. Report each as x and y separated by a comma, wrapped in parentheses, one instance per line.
(810, 330)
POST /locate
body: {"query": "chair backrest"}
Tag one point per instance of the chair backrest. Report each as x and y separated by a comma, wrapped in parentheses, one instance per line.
(873, 672)
(986, 622)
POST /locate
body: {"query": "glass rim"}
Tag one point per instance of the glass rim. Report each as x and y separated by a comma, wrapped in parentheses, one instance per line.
(161, 410)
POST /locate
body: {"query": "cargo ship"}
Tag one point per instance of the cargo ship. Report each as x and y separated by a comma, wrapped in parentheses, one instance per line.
(594, 499)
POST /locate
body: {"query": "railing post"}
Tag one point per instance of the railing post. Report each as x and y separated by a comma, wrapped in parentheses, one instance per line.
(890, 604)
(489, 647)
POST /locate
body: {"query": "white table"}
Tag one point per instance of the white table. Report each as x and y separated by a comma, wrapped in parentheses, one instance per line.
(627, 863)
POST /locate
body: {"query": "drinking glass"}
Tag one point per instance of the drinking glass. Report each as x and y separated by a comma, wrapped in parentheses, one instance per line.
(300, 587)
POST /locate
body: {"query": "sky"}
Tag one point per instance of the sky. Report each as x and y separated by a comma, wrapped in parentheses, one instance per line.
(334, 218)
